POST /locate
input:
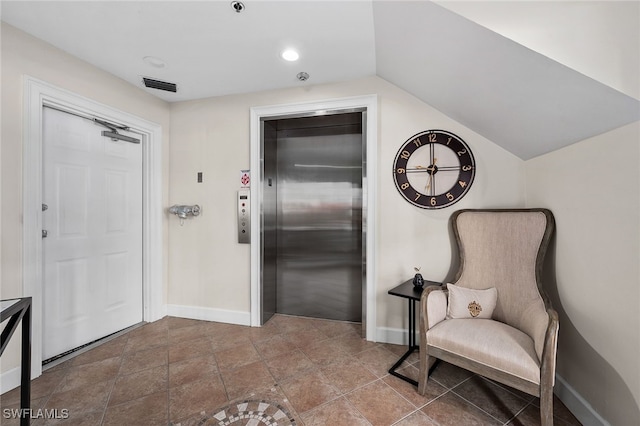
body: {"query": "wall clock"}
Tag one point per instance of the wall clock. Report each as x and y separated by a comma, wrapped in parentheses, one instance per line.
(434, 169)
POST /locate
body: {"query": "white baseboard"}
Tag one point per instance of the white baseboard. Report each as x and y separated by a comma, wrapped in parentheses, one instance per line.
(209, 314)
(578, 406)
(394, 336)
(10, 380)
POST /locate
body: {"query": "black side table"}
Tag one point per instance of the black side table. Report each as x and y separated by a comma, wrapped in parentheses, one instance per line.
(15, 310)
(412, 293)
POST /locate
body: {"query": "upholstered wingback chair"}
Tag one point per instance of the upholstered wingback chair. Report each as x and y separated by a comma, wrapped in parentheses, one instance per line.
(495, 319)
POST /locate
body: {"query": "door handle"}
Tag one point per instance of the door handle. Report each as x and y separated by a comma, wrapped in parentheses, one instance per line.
(45, 233)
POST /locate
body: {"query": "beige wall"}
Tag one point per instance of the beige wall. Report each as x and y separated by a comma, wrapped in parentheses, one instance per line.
(24, 55)
(592, 189)
(208, 268)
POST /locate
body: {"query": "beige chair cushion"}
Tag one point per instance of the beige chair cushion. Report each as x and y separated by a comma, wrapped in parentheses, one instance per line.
(471, 303)
(490, 343)
(500, 250)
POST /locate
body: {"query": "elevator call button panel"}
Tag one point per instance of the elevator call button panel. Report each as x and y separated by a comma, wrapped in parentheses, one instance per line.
(244, 217)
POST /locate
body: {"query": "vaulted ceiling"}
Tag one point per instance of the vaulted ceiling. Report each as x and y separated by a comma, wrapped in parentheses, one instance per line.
(485, 64)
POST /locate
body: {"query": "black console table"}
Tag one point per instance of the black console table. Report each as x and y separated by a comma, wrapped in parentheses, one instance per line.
(15, 310)
(412, 293)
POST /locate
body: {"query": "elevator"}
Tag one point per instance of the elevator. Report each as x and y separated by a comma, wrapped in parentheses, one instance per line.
(312, 251)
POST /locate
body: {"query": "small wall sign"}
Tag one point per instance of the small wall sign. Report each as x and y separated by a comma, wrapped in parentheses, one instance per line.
(245, 178)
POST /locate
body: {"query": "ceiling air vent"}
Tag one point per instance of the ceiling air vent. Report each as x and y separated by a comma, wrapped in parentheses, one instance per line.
(160, 85)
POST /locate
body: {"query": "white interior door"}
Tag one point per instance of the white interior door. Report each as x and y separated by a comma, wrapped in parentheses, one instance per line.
(93, 251)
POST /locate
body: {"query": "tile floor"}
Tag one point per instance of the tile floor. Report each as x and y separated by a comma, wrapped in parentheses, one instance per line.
(165, 372)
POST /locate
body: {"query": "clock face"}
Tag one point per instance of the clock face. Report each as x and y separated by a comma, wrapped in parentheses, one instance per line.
(434, 169)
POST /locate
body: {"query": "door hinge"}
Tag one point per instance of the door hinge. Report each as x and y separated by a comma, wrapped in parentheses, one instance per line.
(44, 207)
(44, 233)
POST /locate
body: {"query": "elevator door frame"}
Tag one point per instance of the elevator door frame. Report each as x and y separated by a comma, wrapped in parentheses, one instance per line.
(367, 104)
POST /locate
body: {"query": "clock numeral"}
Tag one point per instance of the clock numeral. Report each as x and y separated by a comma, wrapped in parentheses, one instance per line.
(405, 155)
(433, 201)
(401, 171)
(466, 168)
(461, 153)
(450, 197)
(449, 141)
(417, 142)
(404, 185)
(432, 137)
(462, 183)
(417, 196)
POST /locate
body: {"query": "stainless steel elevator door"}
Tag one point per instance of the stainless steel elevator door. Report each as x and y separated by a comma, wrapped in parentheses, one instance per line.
(319, 217)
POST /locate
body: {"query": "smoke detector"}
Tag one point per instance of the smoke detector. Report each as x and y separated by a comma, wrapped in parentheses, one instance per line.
(238, 6)
(302, 76)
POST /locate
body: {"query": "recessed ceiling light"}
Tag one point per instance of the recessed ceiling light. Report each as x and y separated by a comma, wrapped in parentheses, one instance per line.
(290, 55)
(154, 61)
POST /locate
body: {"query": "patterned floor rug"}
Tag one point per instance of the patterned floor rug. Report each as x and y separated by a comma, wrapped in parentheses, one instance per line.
(265, 409)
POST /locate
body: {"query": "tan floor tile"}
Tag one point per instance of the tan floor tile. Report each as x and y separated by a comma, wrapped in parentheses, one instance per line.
(194, 397)
(309, 391)
(400, 350)
(243, 380)
(274, 345)
(147, 341)
(410, 391)
(11, 417)
(416, 419)
(110, 349)
(87, 419)
(237, 356)
(330, 374)
(451, 410)
(267, 331)
(348, 375)
(302, 338)
(192, 369)
(136, 385)
(380, 404)
(183, 334)
(289, 365)
(151, 328)
(175, 322)
(86, 374)
(229, 341)
(141, 360)
(189, 349)
(352, 343)
(42, 386)
(337, 328)
(498, 402)
(288, 324)
(326, 352)
(378, 360)
(449, 375)
(338, 412)
(150, 410)
(82, 400)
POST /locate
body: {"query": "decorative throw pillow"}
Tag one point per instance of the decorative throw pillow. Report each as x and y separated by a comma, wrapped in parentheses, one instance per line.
(470, 303)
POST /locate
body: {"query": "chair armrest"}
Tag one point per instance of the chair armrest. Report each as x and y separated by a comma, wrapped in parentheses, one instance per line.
(433, 306)
(548, 359)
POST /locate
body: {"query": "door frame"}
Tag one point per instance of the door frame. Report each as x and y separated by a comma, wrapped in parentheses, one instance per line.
(369, 190)
(37, 94)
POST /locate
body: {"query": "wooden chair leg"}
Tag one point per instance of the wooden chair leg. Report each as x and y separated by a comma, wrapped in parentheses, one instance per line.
(546, 407)
(423, 376)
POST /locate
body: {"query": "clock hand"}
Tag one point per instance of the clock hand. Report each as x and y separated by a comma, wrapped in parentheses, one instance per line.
(418, 169)
(431, 170)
